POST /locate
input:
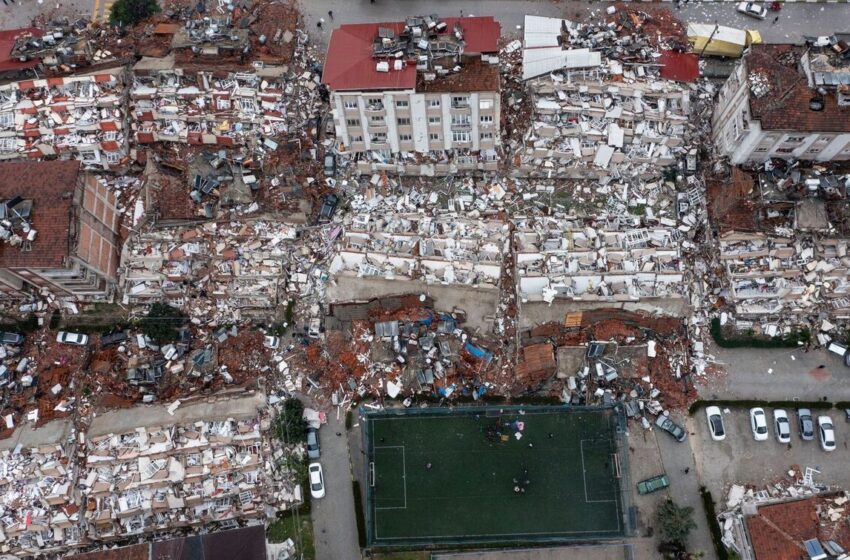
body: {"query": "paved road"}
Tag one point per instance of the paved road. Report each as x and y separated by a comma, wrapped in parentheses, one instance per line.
(334, 522)
(778, 375)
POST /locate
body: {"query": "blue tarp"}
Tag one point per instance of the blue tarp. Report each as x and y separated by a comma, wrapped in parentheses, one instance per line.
(478, 352)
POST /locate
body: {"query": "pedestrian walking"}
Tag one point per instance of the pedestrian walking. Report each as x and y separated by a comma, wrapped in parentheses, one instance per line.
(687, 470)
(775, 19)
(339, 434)
(319, 24)
(331, 14)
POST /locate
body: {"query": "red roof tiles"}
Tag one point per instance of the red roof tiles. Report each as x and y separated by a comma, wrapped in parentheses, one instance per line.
(786, 105)
(777, 532)
(349, 64)
(50, 185)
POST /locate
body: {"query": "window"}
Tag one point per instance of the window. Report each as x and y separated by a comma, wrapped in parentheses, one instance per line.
(784, 150)
(247, 104)
(222, 104)
(405, 137)
(374, 104)
(486, 119)
(356, 139)
(7, 119)
(460, 120)
(379, 137)
(795, 138)
(113, 157)
(460, 136)
(813, 150)
(486, 135)
(485, 103)
(350, 103)
(823, 140)
(404, 121)
(352, 122)
(434, 137)
(460, 101)
(402, 104)
(8, 145)
(376, 119)
(433, 120)
(433, 102)
(760, 150)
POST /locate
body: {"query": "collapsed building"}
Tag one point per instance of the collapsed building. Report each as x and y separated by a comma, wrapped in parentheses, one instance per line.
(419, 97)
(786, 101)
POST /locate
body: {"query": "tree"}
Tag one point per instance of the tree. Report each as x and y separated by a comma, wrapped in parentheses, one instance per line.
(674, 523)
(162, 323)
(290, 425)
(131, 12)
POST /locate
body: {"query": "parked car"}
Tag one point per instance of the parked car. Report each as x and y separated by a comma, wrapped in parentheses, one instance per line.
(653, 484)
(112, 339)
(715, 423)
(758, 423)
(781, 426)
(312, 443)
(752, 9)
(72, 338)
(671, 427)
(827, 433)
(12, 338)
(330, 165)
(317, 480)
(807, 425)
(328, 208)
(272, 342)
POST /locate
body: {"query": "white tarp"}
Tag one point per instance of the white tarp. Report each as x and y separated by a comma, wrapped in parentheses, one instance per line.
(537, 62)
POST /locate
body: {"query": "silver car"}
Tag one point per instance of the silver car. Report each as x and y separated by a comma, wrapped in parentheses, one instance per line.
(72, 338)
(807, 425)
(312, 443)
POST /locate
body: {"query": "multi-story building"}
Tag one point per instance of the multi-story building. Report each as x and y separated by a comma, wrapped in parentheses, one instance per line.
(59, 231)
(785, 101)
(427, 86)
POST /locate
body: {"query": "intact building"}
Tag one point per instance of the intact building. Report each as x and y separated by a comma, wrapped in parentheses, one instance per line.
(786, 101)
(425, 86)
(59, 231)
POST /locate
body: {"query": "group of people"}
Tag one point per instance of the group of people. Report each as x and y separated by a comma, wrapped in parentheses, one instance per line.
(521, 483)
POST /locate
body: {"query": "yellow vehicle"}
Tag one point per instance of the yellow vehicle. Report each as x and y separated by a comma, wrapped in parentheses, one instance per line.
(716, 40)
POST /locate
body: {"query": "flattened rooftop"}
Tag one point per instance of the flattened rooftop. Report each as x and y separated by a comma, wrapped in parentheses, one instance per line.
(785, 106)
(50, 185)
(350, 64)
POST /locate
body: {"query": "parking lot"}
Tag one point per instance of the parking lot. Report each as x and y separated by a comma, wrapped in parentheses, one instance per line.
(740, 459)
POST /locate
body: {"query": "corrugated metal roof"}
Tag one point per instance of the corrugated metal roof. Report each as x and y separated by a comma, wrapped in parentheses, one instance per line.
(536, 62)
(541, 31)
(349, 65)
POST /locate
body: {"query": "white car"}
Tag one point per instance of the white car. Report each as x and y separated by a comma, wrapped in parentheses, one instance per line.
(271, 342)
(758, 423)
(715, 423)
(72, 338)
(827, 433)
(317, 480)
(752, 9)
(782, 426)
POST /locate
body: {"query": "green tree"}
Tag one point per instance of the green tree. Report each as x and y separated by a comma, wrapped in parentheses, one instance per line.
(131, 12)
(290, 425)
(674, 523)
(162, 323)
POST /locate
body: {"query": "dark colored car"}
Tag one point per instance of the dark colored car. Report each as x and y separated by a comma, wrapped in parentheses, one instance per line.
(807, 424)
(671, 427)
(112, 339)
(328, 208)
(653, 484)
(11, 338)
(312, 443)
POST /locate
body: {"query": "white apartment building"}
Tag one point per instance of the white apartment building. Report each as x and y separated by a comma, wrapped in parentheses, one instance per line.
(424, 86)
(785, 101)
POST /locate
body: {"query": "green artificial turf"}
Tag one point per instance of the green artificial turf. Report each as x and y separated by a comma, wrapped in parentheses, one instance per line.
(468, 493)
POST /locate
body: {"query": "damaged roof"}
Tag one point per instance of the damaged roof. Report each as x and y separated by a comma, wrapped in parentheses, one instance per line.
(8, 38)
(50, 185)
(778, 531)
(785, 106)
(350, 64)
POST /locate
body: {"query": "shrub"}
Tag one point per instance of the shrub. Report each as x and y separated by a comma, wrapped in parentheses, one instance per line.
(290, 425)
(796, 338)
(162, 323)
(131, 12)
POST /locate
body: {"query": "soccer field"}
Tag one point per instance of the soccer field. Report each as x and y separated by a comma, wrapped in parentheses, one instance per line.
(462, 475)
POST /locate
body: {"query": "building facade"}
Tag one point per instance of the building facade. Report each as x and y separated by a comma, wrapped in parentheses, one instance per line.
(424, 86)
(785, 101)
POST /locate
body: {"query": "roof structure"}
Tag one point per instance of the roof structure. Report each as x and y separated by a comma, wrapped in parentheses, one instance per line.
(7, 43)
(350, 64)
(50, 185)
(785, 106)
(778, 531)
(681, 67)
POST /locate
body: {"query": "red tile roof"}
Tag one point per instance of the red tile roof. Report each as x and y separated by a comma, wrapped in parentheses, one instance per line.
(349, 64)
(786, 105)
(7, 43)
(777, 532)
(50, 185)
(681, 67)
